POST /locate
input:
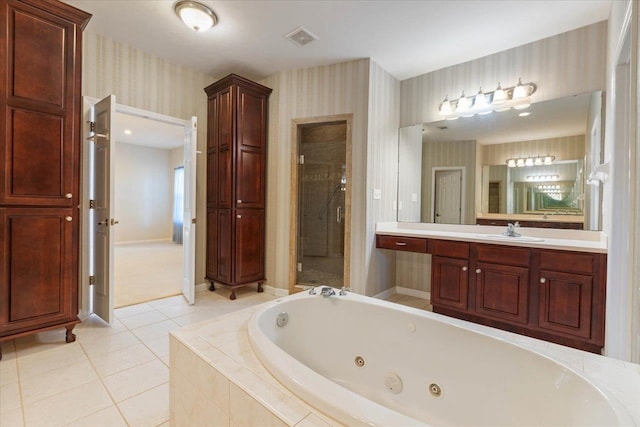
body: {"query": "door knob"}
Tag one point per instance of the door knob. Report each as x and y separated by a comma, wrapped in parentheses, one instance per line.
(114, 222)
(68, 218)
(68, 196)
(105, 222)
(543, 280)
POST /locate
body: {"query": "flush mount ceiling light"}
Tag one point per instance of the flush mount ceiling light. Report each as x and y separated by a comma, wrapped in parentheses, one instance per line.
(502, 99)
(195, 15)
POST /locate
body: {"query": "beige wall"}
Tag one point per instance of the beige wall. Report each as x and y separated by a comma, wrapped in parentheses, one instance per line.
(142, 80)
(566, 64)
(564, 148)
(143, 194)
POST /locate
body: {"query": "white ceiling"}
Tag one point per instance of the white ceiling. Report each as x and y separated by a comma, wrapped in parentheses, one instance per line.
(406, 38)
(147, 132)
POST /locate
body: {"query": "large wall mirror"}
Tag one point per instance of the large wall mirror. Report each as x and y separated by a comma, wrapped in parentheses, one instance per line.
(529, 164)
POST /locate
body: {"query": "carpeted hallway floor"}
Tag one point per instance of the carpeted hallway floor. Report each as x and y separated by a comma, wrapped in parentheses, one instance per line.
(147, 271)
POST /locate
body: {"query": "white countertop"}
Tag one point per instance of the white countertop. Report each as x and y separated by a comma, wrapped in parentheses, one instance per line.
(568, 240)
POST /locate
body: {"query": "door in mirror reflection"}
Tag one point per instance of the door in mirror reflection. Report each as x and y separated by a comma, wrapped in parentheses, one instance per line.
(448, 196)
(322, 188)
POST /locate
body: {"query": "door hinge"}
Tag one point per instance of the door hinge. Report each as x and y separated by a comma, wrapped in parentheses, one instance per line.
(92, 204)
(301, 159)
(92, 126)
(299, 267)
(193, 220)
(92, 280)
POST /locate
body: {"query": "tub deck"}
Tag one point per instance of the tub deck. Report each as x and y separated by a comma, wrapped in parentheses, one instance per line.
(216, 379)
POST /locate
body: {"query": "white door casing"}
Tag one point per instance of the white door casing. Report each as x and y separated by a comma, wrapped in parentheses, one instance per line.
(188, 218)
(103, 215)
(448, 196)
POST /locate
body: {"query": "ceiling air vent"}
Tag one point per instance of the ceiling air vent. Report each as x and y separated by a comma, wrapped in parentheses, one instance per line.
(301, 36)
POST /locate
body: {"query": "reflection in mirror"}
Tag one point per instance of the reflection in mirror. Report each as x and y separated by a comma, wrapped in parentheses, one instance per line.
(456, 171)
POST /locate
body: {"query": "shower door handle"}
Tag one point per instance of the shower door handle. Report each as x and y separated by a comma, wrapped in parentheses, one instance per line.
(339, 215)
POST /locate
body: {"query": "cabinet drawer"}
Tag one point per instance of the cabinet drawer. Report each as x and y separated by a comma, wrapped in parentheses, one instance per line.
(570, 262)
(503, 255)
(449, 249)
(410, 244)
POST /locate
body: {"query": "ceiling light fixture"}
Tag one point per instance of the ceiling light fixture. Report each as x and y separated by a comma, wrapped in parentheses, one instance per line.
(127, 132)
(502, 99)
(195, 15)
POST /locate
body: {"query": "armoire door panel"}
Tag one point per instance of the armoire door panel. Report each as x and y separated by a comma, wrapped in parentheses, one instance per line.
(212, 243)
(40, 47)
(212, 135)
(37, 161)
(38, 266)
(223, 178)
(250, 179)
(225, 245)
(224, 128)
(251, 119)
(212, 179)
(249, 244)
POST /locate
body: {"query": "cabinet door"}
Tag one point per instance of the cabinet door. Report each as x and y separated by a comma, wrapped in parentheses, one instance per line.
(565, 303)
(250, 155)
(449, 282)
(38, 152)
(224, 245)
(38, 287)
(502, 292)
(212, 153)
(249, 249)
(224, 138)
(212, 244)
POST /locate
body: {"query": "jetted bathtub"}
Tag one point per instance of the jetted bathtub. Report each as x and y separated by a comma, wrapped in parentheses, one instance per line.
(363, 361)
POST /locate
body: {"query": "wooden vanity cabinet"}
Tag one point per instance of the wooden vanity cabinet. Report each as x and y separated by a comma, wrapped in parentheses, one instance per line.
(236, 182)
(40, 117)
(555, 295)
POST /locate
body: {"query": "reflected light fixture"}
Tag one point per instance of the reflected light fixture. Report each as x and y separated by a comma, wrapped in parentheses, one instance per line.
(502, 99)
(530, 161)
(195, 15)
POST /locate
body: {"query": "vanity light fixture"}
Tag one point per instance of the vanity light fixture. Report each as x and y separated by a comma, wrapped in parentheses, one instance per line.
(543, 178)
(502, 99)
(530, 161)
(195, 15)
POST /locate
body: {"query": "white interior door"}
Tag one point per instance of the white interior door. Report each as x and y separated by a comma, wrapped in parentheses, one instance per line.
(188, 218)
(103, 215)
(448, 195)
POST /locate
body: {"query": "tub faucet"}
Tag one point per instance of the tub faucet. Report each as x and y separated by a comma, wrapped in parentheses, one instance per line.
(343, 290)
(327, 291)
(511, 231)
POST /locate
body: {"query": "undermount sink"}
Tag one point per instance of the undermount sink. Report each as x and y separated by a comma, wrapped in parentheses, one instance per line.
(514, 238)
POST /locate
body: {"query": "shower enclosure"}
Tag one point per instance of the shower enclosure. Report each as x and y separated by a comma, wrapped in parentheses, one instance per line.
(322, 185)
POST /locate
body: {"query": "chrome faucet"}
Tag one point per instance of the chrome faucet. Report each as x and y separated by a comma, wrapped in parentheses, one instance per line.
(511, 230)
(327, 291)
(343, 291)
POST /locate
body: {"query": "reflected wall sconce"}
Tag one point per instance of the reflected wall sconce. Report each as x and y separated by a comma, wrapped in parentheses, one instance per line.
(517, 97)
(530, 161)
(543, 178)
(195, 15)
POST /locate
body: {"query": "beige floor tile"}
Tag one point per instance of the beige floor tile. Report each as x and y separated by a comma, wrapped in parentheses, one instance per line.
(93, 328)
(12, 418)
(8, 368)
(198, 316)
(166, 360)
(38, 387)
(44, 360)
(133, 310)
(111, 343)
(109, 417)
(116, 361)
(177, 310)
(42, 342)
(174, 301)
(68, 406)
(136, 380)
(150, 408)
(9, 396)
(155, 330)
(143, 319)
(159, 346)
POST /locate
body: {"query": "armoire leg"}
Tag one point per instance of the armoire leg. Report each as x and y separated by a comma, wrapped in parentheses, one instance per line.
(233, 294)
(260, 287)
(71, 337)
(212, 287)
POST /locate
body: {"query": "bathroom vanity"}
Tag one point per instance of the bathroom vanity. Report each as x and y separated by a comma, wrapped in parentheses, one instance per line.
(547, 284)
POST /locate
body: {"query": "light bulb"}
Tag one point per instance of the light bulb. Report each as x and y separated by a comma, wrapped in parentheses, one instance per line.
(463, 104)
(499, 96)
(528, 162)
(511, 163)
(520, 91)
(445, 107)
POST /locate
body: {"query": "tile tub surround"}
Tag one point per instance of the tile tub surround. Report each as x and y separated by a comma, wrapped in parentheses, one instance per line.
(216, 379)
(559, 239)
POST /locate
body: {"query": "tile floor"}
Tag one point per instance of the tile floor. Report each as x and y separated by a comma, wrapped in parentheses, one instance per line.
(113, 375)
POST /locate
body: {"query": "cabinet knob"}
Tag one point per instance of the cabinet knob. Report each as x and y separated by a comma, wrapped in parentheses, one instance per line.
(238, 216)
(543, 280)
(68, 218)
(238, 201)
(465, 268)
(478, 271)
(68, 196)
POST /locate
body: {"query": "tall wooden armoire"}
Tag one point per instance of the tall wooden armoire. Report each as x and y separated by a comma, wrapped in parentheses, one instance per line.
(236, 178)
(40, 122)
